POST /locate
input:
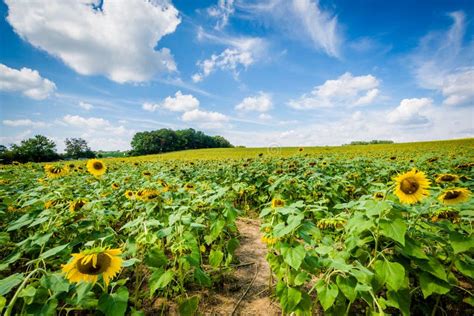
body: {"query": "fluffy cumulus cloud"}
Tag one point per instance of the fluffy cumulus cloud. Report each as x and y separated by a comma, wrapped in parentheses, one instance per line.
(221, 11)
(98, 132)
(94, 123)
(179, 103)
(24, 123)
(410, 112)
(89, 36)
(240, 54)
(205, 119)
(26, 81)
(442, 62)
(259, 103)
(347, 90)
(301, 19)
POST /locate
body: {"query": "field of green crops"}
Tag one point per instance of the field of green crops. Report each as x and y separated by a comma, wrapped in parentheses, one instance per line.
(370, 230)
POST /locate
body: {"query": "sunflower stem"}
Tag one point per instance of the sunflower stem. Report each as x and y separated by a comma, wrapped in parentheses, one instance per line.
(15, 297)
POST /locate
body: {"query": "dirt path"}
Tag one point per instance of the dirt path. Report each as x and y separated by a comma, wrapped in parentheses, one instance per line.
(251, 280)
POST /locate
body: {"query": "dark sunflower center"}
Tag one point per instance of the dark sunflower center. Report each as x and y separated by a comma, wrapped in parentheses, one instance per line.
(447, 177)
(409, 186)
(103, 263)
(451, 195)
(152, 196)
(97, 165)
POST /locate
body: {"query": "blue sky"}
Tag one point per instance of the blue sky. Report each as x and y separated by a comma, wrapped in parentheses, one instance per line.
(260, 73)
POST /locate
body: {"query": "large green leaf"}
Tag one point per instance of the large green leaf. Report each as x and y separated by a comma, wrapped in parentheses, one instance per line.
(188, 307)
(347, 285)
(400, 299)
(293, 256)
(53, 251)
(114, 304)
(460, 242)
(156, 257)
(7, 284)
(327, 294)
(390, 273)
(430, 285)
(394, 229)
(215, 258)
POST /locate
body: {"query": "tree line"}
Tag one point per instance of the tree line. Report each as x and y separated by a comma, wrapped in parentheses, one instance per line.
(372, 142)
(166, 140)
(40, 148)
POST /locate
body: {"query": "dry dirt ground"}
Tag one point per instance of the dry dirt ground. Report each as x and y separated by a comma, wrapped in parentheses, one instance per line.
(248, 283)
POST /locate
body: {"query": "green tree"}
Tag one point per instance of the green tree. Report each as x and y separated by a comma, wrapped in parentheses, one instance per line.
(77, 148)
(38, 148)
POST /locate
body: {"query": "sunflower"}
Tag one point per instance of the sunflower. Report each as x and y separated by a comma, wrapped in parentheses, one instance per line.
(76, 205)
(129, 195)
(89, 264)
(447, 177)
(276, 202)
(115, 186)
(53, 171)
(189, 186)
(454, 196)
(411, 187)
(146, 173)
(96, 167)
(150, 195)
(300, 149)
(379, 196)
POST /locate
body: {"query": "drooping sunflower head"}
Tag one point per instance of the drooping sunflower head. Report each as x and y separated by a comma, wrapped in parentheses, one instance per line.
(146, 173)
(129, 194)
(277, 202)
(115, 186)
(447, 177)
(300, 149)
(379, 196)
(53, 171)
(412, 186)
(96, 167)
(89, 264)
(76, 205)
(454, 196)
(150, 195)
(189, 186)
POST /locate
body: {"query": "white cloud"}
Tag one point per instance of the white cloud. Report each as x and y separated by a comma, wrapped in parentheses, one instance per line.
(205, 119)
(91, 40)
(303, 19)
(86, 106)
(179, 103)
(442, 63)
(346, 90)
(243, 52)
(259, 103)
(221, 11)
(23, 123)
(27, 81)
(410, 112)
(95, 123)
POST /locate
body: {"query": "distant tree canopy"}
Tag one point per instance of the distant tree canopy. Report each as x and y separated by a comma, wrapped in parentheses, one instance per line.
(77, 148)
(38, 148)
(372, 142)
(166, 140)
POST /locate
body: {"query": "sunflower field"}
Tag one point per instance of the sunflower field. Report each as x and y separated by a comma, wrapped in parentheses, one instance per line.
(366, 230)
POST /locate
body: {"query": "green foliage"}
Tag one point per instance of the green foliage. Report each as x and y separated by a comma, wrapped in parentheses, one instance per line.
(77, 148)
(36, 149)
(166, 140)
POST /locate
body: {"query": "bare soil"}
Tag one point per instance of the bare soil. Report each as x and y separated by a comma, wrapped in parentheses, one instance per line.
(248, 283)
